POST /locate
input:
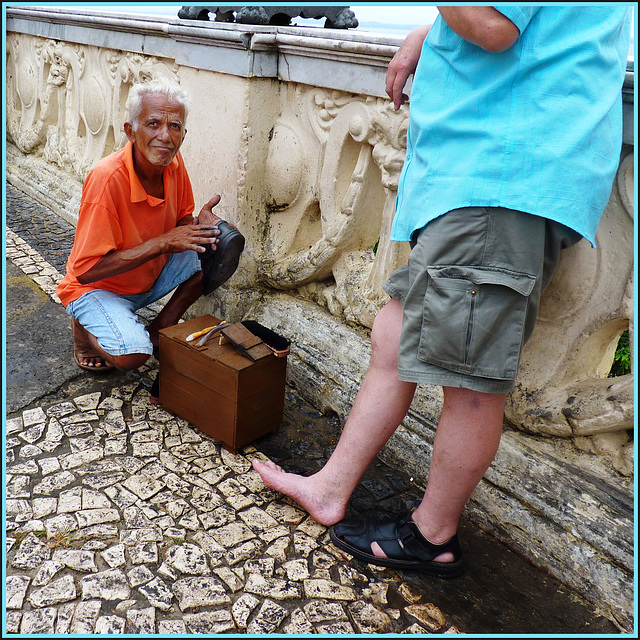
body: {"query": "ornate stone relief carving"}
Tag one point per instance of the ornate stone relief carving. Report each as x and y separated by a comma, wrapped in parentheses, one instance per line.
(563, 389)
(332, 175)
(66, 101)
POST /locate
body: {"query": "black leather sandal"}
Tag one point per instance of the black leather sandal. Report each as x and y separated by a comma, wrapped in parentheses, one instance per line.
(400, 539)
(219, 265)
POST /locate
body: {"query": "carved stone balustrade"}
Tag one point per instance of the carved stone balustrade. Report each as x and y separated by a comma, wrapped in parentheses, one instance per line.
(293, 128)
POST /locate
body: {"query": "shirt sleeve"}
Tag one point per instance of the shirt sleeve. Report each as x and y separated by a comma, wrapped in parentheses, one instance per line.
(520, 16)
(97, 234)
(98, 231)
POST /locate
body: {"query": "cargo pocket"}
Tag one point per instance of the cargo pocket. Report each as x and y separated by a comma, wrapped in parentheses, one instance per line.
(473, 320)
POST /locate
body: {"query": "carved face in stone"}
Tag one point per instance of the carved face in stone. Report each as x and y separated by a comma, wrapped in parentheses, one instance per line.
(158, 132)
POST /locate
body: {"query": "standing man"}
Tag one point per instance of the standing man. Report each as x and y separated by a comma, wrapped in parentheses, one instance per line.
(136, 238)
(514, 140)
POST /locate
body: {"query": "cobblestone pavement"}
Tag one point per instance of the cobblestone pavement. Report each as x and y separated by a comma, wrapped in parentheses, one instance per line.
(123, 518)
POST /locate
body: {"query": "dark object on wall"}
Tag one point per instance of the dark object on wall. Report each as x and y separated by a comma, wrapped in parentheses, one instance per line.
(336, 17)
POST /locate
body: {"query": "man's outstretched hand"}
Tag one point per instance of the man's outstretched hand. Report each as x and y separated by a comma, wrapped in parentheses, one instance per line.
(206, 215)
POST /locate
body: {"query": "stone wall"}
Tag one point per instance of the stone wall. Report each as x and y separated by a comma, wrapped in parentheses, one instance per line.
(293, 128)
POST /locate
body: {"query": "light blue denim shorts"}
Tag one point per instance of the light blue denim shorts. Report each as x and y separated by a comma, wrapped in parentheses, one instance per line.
(470, 295)
(112, 318)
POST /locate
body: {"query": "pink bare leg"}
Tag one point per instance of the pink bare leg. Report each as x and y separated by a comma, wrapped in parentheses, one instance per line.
(380, 406)
(466, 442)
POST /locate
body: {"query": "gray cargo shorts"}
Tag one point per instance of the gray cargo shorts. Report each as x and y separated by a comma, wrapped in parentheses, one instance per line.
(470, 295)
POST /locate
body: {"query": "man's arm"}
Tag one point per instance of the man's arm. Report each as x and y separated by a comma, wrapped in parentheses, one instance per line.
(482, 26)
(187, 235)
(403, 64)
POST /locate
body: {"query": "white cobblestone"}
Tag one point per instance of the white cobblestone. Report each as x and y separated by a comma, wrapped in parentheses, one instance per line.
(169, 628)
(111, 584)
(85, 617)
(157, 593)
(31, 553)
(33, 416)
(114, 556)
(57, 591)
(110, 625)
(16, 590)
(46, 572)
(76, 559)
(142, 622)
(268, 618)
(38, 621)
(209, 622)
(196, 592)
(189, 559)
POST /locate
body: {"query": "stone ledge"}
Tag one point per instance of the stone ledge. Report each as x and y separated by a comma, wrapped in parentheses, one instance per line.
(292, 54)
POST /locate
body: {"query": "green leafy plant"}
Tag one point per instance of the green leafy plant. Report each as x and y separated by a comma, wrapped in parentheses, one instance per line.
(622, 359)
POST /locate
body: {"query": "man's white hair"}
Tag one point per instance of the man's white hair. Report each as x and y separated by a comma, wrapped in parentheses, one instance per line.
(159, 85)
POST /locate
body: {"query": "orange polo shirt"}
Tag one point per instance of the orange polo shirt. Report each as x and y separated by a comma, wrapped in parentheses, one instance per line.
(116, 213)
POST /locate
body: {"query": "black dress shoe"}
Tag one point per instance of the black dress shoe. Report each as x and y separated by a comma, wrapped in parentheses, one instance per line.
(219, 265)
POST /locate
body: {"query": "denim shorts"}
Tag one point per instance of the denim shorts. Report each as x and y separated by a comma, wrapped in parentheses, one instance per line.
(111, 317)
(470, 295)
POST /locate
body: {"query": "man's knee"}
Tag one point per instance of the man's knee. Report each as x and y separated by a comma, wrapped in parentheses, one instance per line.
(129, 362)
(473, 399)
(385, 333)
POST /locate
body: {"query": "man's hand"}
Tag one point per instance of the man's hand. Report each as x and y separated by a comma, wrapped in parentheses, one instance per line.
(194, 237)
(403, 64)
(187, 236)
(206, 215)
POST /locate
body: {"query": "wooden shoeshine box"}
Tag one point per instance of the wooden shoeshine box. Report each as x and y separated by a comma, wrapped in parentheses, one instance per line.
(218, 389)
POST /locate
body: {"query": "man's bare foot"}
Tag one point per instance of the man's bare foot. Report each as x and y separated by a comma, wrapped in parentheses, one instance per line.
(306, 491)
(84, 353)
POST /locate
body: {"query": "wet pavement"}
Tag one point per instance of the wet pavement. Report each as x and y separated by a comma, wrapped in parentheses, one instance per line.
(123, 518)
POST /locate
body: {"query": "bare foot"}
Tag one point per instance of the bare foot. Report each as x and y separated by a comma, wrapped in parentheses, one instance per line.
(308, 492)
(83, 351)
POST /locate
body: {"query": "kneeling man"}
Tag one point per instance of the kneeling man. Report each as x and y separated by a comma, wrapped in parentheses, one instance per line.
(136, 238)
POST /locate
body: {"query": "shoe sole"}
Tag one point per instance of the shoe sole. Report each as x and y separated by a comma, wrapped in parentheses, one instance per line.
(230, 247)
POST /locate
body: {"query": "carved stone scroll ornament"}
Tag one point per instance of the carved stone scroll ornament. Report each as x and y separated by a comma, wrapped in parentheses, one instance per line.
(66, 101)
(332, 176)
(563, 389)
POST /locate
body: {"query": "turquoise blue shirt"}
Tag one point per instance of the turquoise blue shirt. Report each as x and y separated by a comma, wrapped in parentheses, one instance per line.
(536, 128)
